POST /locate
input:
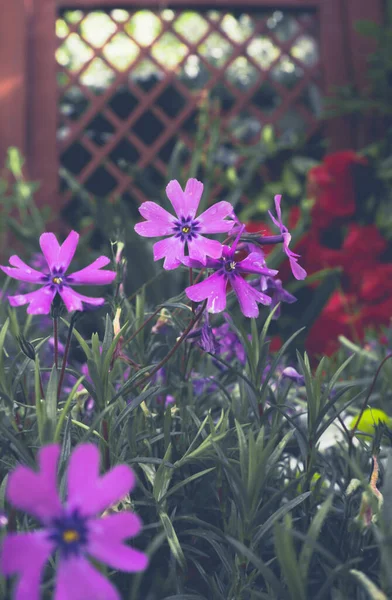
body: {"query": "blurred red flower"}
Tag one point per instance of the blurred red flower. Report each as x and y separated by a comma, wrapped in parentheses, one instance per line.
(331, 185)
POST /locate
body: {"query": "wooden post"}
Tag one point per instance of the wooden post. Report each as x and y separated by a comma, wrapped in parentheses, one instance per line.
(359, 48)
(42, 108)
(335, 67)
(12, 78)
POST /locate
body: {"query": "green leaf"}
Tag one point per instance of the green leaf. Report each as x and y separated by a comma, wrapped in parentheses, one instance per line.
(373, 591)
(287, 558)
(172, 539)
(163, 477)
(185, 482)
(312, 535)
(51, 405)
(278, 514)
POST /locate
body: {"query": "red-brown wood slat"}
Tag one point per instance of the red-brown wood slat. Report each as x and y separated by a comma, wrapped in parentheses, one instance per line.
(12, 78)
(42, 102)
(188, 4)
(359, 48)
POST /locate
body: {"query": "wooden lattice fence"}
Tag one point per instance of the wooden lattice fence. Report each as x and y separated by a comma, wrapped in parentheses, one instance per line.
(91, 88)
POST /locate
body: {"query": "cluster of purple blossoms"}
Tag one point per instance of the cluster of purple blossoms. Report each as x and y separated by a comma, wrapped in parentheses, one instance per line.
(74, 530)
(185, 231)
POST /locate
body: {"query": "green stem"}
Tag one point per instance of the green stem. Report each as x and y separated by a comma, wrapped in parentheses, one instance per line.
(56, 341)
(65, 358)
(178, 343)
(355, 427)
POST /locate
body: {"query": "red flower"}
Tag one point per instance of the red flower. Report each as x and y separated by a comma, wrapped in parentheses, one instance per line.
(331, 185)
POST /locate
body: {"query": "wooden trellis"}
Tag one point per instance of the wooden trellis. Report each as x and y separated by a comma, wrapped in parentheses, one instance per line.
(57, 115)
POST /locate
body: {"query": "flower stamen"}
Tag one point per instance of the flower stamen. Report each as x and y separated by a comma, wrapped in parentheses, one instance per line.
(71, 535)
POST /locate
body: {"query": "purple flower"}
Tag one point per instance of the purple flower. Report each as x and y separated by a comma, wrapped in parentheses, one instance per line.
(184, 229)
(72, 529)
(228, 271)
(274, 288)
(293, 374)
(54, 280)
(297, 270)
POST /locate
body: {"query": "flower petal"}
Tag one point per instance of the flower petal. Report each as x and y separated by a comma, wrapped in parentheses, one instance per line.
(255, 263)
(211, 220)
(248, 297)
(185, 203)
(74, 301)
(39, 301)
(159, 221)
(36, 493)
(25, 554)
(78, 580)
(105, 542)
(172, 249)
(87, 490)
(200, 247)
(67, 251)
(50, 249)
(213, 289)
(22, 272)
(92, 275)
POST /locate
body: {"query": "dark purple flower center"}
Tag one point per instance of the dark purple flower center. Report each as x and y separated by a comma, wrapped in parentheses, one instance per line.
(229, 266)
(69, 533)
(55, 280)
(186, 228)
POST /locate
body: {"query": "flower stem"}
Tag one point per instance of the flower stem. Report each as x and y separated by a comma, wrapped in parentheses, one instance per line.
(178, 343)
(65, 358)
(56, 340)
(355, 427)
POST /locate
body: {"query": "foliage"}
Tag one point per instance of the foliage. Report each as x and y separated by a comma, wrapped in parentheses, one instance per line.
(243, 488)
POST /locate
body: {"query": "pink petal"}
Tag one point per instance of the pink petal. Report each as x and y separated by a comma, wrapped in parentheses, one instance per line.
(185, 203)
(212, 221)
(255, 263)
(31, 275)
(159, 221)
(36, 493)
(39, 301)
(67, 250)
(25, 554)
(105, 542)
(200, 247)
(22, 272)
(78, 580)
(248, 297)
(298, 271)
(74, 301)
(213, 289)
(89, 492)
(92, 275)
(172, 249)
(50, 248)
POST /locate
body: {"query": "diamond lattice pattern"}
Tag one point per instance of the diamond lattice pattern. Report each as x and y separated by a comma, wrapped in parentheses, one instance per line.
(131, 84)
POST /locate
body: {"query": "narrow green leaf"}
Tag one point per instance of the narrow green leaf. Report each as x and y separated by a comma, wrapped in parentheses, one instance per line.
(312, 535)
(373, 591)
(172, 539)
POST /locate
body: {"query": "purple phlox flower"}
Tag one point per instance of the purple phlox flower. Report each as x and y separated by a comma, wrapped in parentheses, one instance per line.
(274, 288)
(293, 374)
(74, 530)
(230, 346)
(297, 270)
(185, 228)
(229, 272)
(203, 385)
(204, 337)
(54, 279)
